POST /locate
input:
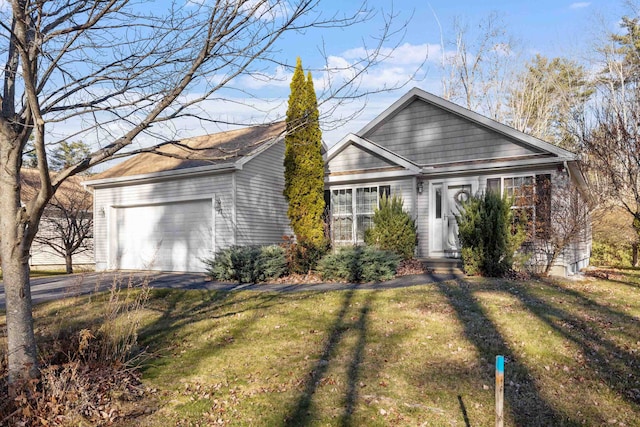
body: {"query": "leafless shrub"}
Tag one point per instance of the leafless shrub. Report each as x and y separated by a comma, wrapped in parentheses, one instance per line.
(88, 375)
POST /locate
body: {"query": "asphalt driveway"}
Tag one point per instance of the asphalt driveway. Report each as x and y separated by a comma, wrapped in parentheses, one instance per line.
(57, 287)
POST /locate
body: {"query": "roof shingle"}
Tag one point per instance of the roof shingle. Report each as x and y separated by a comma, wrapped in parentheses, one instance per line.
(206, 150)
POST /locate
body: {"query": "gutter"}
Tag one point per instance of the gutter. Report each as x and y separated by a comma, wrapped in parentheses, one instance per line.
(432, 170)
(158, 176)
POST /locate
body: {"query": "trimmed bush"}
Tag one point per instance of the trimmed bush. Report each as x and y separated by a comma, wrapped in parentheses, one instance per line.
(393, 228)
(359, 264)
(488, 235)
(247, 264)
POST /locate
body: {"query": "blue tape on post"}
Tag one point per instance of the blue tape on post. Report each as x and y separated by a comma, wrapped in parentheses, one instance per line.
(500, 364)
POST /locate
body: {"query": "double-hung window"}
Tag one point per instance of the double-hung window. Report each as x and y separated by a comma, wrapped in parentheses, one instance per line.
(352, 216)
(342, 215)
(531, 198)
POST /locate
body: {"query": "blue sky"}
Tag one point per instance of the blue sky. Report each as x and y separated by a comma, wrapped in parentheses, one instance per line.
(551, 28)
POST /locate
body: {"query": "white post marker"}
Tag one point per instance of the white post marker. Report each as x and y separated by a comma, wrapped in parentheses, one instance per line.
(499, 391)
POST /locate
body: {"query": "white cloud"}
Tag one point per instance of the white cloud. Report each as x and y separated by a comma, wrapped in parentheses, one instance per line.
(281, 78)
(580, 5)
(405, 54)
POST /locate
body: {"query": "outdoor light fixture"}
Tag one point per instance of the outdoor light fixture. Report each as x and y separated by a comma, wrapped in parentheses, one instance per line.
(101, 212)
(420, 187)
(218, 205)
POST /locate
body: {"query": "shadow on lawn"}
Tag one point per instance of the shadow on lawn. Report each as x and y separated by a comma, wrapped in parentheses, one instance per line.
(213, 305)
(301, 412)
(587, 323)
(526, 404)
(588, 328)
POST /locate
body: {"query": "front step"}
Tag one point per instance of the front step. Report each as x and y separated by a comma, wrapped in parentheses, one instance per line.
(443, 265)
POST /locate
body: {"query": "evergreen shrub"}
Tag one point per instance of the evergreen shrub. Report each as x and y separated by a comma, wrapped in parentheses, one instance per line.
(247, 264)
(488, 235)
(393, 228)
(359, 264)
(611, 254)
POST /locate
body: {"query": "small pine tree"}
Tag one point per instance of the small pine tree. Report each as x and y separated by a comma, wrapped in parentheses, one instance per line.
(393, 228)
(304, 166)
(488, 235)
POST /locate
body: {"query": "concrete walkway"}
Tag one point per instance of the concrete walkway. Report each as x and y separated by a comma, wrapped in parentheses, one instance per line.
(57, 287)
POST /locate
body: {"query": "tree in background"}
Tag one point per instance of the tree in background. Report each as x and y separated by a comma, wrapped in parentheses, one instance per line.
(545, 98)
(611, 129)
(67, 154)
(482, 68)
(149, 68)
(29, 158)
(304, 166)
(67, 223)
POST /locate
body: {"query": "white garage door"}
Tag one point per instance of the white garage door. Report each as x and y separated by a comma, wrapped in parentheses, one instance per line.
(166, 237)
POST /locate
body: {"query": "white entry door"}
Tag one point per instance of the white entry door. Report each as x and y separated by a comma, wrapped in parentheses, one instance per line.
(165, 237)
(445, 204)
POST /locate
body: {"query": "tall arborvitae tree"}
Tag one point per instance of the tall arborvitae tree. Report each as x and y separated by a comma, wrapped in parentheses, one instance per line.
(304, 167)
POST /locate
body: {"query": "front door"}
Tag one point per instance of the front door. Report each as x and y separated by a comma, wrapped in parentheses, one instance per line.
(445, 204)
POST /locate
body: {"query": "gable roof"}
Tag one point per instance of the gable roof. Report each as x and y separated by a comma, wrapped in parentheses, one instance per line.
(389, 156)
(215, 151)
(479, 119)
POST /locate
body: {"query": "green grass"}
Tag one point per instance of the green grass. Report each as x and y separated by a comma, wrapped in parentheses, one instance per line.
(417, 356)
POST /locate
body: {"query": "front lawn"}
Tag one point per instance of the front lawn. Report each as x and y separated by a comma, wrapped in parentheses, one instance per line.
(416, 356)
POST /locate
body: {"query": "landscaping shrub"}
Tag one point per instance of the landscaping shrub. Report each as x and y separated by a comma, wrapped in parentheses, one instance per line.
(271, 263)
(88, 374)
(359, 264)
(302, 257)
(488, 234)
(247, 264)
(393, 228)
(613, 254)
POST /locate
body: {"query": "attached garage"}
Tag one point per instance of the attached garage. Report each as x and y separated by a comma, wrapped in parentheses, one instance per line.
(166, 237)
(168, 209)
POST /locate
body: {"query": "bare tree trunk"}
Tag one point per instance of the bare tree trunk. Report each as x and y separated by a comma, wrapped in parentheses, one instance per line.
(23, 364)
(68, 263)
(15, 270)
(634, 254)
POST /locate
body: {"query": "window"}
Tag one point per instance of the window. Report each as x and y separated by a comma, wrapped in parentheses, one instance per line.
(531, 200)
(342, 215)
(350, 216)
(366, 203)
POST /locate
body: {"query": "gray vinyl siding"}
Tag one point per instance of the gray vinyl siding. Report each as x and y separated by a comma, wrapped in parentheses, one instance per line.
(164, 191)
(577, 253)
(261, 208)
(356, 158)
(404, 187)
(426, 134)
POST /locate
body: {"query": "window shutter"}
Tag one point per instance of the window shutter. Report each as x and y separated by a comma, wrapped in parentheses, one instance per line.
(543, 206)
(493, 185)
(384, 190)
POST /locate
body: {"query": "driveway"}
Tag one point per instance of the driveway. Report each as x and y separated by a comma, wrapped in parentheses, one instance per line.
(57, 287)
